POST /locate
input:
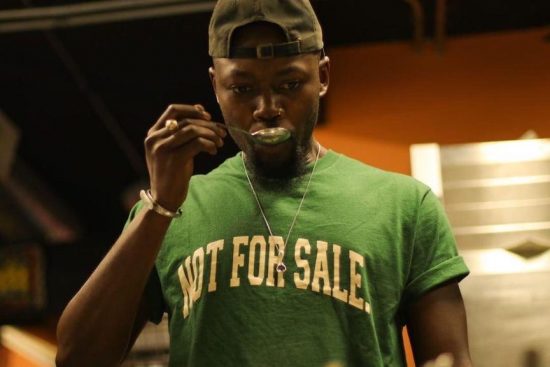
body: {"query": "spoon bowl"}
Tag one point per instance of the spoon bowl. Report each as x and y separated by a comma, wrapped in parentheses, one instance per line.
(267, 136)
(271, 135)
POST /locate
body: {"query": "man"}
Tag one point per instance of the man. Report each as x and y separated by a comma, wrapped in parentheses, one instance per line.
(287, 254)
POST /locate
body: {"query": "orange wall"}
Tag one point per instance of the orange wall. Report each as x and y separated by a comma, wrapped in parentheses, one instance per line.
(9, 358)
(384, 97)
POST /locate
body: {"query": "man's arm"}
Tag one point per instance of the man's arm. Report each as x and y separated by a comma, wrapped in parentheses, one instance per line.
(103, 319)
(437, 324)
(96, 326)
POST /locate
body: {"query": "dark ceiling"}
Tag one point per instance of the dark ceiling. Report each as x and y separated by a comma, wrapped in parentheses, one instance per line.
(78, 94)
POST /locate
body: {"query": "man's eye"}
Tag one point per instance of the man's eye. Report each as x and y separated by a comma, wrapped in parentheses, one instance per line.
(241, 89)
(292, 85)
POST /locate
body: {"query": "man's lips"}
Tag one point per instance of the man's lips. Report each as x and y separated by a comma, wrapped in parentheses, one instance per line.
(262, 134)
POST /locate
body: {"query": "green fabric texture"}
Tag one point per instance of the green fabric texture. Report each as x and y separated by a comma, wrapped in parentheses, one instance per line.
(365, 243)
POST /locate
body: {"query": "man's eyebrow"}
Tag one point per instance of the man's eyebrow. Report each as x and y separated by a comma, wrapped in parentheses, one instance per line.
(290, 69)
(240, 73)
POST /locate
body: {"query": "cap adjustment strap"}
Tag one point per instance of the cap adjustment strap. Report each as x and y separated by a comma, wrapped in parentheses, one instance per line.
(268, 50)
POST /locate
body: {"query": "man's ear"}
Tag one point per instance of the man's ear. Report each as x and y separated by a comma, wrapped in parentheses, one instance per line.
(212, 74)
(324, 75)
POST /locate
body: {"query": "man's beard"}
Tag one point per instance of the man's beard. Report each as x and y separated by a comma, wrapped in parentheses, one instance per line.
(282, 175)
(278, 176)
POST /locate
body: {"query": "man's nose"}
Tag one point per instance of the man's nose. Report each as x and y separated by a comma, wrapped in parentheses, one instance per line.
(267, 108)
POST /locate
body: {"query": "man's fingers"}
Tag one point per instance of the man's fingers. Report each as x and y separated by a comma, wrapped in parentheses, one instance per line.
(216, 127)
(191, 131)
(193, 145)
(205, 145)
(164, 140)
(201, 108)
(194, 133)
(178, 112)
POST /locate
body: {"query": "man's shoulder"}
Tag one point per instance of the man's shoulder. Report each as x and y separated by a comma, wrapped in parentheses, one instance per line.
(363, 177)
(357, 167)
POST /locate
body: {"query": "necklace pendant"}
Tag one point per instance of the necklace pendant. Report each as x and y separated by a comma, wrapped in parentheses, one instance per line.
(281, 267)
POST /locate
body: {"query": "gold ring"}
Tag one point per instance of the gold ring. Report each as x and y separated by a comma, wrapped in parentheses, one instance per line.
(171, 124)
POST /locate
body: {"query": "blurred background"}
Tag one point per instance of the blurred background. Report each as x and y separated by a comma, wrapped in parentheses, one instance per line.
(416, 87)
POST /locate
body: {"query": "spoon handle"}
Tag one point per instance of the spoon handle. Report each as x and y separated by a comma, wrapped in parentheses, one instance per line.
(234, 128)
(239, 130)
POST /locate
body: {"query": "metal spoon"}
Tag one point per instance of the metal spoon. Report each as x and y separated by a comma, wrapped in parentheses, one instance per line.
(268, 136)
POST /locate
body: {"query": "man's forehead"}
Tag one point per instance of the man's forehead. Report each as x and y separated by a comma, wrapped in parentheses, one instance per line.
(276, 66)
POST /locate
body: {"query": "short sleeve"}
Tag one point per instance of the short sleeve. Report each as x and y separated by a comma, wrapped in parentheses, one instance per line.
(434, 258)
(153, 290)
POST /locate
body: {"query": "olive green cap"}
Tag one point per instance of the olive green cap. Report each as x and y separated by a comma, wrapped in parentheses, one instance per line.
(296, 18)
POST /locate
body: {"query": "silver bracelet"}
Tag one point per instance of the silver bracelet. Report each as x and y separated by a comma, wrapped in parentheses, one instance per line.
(151, 204)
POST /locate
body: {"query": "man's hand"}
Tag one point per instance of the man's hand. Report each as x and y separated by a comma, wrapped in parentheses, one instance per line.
(170, 153)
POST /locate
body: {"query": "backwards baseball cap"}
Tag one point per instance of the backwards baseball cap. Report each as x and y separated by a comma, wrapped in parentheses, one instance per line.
(296, 19)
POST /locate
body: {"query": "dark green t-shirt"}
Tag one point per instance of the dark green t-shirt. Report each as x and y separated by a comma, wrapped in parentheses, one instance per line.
(365, 243)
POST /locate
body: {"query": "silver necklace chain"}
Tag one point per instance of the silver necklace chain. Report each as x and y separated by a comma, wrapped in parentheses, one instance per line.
(281, 267)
